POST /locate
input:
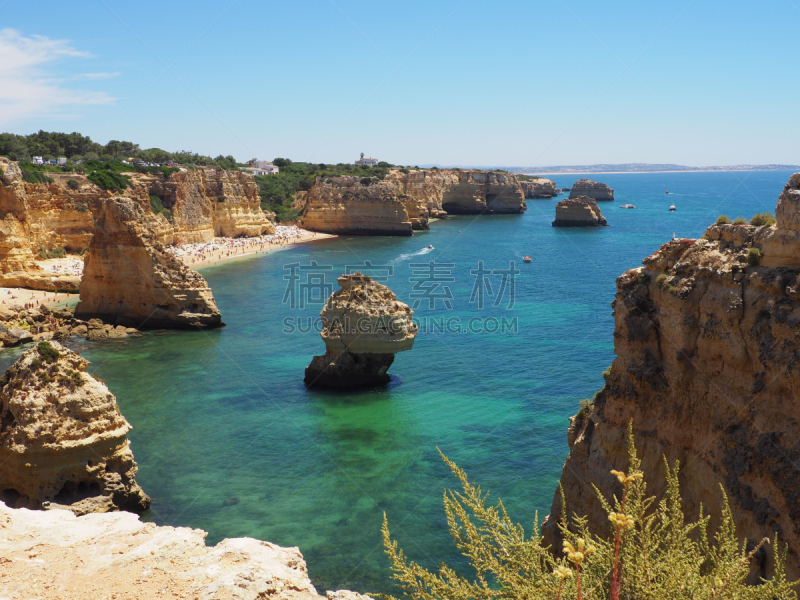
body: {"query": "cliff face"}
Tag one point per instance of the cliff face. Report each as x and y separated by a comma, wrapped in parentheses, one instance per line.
(62, 438)
(593, 189)
(405, 201)
(129, 279)
(204, 203)
(706, 369)
(117, 556)
(364, 325)
(579, 212)
(345, 205)
(539, 188)
(209, 202)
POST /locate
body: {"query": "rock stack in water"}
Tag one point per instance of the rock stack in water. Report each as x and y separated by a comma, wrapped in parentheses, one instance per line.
(130, 279)
(363, 326)
(579, 212)
(594, 189)
(539, 188)
(62, 437)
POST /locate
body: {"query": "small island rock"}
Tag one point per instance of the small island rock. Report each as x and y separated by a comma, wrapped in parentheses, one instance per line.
(579, 212)
(364, 325)
(594, 189)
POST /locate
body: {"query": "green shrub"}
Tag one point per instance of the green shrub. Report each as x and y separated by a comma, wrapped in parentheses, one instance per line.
(644, 277)
(740, 221)
(155, 204)
(108, 180)
(167, 214)
(723, 220)
(763, 219)
(753, 256)
(647, 548)
(661, 279)
(47, 352)
(73, 184)
(35, 176)
(221, 198)
(607, 373)
(82, 208)
(404, 170)
(57, 252)
(366, 180)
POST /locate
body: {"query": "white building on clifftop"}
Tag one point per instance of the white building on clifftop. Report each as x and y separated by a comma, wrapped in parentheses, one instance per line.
(368, 162)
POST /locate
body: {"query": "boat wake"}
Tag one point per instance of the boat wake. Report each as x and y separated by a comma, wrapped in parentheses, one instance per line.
(404, 257)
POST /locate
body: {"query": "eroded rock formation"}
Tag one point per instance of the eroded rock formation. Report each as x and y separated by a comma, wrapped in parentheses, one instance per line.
(579, 212)
(539, 188)
(117, 556)
(130, 280)
(706, 338)
(586, 187)
(62, 214)
(62, 437)
(363, 327)
(403, 202)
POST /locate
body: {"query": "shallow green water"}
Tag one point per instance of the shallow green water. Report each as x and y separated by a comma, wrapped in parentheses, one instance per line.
(229, 440)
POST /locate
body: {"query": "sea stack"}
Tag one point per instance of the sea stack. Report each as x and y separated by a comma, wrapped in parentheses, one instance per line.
(579, 212)
(594, 189)
(63, 440)
(539, 188)
(129, 278)
(363, 327)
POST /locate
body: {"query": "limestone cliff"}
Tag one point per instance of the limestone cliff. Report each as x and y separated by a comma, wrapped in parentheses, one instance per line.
(55, 556)
(706, 338)
(586, 187)
(355, 206)
(34, 216)
(405, 201)
(129, 279)
(539, 188)
(579, 212)
(364, 325)
(62, 438)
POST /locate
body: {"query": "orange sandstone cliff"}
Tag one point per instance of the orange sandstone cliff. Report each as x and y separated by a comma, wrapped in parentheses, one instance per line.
(129, 278)
(707, 338)
(403, 202)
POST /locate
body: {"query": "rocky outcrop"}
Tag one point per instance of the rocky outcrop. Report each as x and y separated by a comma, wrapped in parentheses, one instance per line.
(363, 327)
(207, 203)
(63, 440)
(706, 338)
(586, 187)
(355, 206)
(579, 212)
(130, 280)
(62, 214)
(403, 202)
(54, 555)
(539, 188)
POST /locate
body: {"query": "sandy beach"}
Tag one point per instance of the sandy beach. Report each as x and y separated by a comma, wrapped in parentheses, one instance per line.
(221, 249)
(22, 296)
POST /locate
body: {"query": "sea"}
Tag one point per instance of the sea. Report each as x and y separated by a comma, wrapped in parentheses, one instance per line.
(228, 439)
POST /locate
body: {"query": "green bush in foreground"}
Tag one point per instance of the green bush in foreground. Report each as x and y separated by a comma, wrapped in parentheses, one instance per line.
(723, 220)
(649, 552)
(155, 204)
(57, 252)
(108, 180)
(763, 219)
(740, 221)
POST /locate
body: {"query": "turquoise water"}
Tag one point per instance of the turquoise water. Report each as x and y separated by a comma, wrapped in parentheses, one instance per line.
(228, 439)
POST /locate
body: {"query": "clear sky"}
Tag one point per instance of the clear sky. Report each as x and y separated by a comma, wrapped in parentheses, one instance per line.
(695, 82)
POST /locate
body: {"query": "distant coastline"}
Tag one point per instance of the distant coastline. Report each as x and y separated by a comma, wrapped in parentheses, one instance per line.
(628, 168)
(709, 170)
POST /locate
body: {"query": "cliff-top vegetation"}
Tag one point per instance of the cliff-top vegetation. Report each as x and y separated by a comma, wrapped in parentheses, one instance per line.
(648, 551)
(278, 191)
(75, 147)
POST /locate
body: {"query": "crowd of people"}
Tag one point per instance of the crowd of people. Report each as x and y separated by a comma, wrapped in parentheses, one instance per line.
(221, 248)
(65, 266)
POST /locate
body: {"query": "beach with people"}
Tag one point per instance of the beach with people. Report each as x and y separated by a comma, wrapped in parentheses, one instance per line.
(219, 249)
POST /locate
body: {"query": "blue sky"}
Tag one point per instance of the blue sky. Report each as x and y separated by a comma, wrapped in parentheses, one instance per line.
(696, 82)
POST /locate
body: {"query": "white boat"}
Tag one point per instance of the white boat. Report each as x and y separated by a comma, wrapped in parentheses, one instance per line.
(627, 206)
(527, 259)
(672, 207)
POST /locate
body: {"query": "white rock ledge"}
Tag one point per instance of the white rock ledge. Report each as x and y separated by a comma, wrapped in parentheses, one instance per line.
(56, 555)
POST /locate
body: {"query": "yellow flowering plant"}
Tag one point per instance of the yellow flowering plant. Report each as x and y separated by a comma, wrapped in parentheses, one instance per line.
(653, 550)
